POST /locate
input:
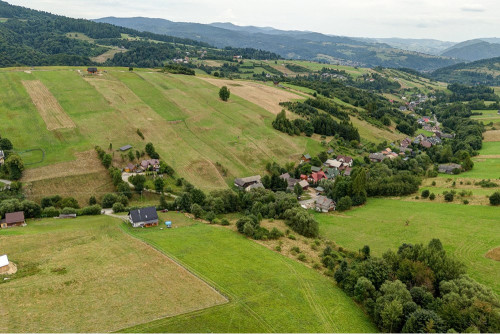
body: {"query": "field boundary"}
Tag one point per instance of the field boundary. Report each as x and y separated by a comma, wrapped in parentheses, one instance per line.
(33, 150)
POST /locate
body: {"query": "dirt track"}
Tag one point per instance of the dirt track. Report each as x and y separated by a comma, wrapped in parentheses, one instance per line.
(259, 94)
(49, 108)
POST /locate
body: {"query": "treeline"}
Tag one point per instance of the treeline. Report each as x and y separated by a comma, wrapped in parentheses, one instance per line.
(469, 93)
(13, 166)
(314, 121)
(418, 289)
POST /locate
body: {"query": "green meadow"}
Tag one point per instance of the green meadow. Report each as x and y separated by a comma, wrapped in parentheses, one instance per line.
(468, 232)
(490, 148)
(267, 292)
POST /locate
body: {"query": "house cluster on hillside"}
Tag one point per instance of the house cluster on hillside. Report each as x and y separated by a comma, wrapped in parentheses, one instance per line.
(389, 154)
(330, 170)
(292, 182)
(152, 165)
(415, 101)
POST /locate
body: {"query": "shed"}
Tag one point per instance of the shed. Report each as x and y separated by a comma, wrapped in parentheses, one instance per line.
(4, 264)
(92, 70)
(13, 219)
(125, 148)
(168, 224)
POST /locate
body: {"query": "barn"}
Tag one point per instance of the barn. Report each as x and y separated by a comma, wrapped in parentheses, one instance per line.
(13, 219)
(92, 70)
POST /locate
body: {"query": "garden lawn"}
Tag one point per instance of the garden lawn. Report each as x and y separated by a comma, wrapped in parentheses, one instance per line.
(468, 232)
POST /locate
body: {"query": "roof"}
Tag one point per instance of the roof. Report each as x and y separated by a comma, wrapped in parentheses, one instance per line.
(324, 201)
(333, 163)
(377, 156)
(315, 169)
(304, 184)
(244, 180)
(14, 217)
(126, 147)
(318, 176)
(4, 261)
(320, 189)
(347, 171)
(285, 176)
(92, 69)
(143, 215)
(450, 166)
(307, 156)
(255, 186)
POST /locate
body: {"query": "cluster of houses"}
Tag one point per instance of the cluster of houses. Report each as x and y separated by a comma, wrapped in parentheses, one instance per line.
(415, 101)
(388, 154)
(184, 60)
(152, 165)
(330, 170)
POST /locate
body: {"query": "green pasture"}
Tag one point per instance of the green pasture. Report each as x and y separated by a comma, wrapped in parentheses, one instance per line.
(468, 232)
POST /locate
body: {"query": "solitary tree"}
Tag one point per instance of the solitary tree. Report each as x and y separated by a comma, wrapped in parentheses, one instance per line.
(224, 93)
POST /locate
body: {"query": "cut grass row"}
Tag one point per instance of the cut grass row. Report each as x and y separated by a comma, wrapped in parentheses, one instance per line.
(468, 232)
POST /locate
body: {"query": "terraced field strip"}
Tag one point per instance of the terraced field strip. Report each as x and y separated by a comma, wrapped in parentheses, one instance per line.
(47, 105)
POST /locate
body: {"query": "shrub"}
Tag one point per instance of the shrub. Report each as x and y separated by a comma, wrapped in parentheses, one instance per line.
(68, 211)
(344, 203)
(92, 200)
(448, 197)
(433, 183)
(425, 193)
(275, 233)
(210, 216)
(139, 133)
(291, 237)
(295, 249)
(224, 222)
(50, 212)
(432, 196)
(466, 202)
(495, 198)
(118, 207)
(108, 200)
(302, 257)
(92, 210)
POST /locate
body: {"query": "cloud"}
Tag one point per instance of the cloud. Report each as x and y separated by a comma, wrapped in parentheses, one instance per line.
(472, 8)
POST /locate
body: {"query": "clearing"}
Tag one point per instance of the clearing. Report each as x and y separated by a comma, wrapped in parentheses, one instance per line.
(48, 107)
(492, 135)
(381, 225)
(268, 292)
(264, 96)
(87, 275)
(494, 254)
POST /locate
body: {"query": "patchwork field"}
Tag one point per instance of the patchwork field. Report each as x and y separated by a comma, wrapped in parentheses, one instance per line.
(48, 107)
(268, 292)
(183, 116)
(468, 232)
(87, 275)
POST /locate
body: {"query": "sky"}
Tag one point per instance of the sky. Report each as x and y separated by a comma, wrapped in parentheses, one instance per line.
(449, 20)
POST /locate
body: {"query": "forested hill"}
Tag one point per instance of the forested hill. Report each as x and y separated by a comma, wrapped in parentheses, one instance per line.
(34, 38)
(290, 44)
(486, 72)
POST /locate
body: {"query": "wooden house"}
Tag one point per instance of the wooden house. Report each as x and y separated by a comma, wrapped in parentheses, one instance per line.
(248, 183)
(305, 158)
(13, 219)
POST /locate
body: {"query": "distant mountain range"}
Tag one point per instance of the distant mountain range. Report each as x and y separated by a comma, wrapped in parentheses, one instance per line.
(475, 49)
(429, 46)
(290, 44)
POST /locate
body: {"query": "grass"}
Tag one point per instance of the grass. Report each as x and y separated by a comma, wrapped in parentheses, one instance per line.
(183, 116)
(425, 132)
(468, 232)
(483, 169)
(87, 275)
(267, 292)
(490, 148)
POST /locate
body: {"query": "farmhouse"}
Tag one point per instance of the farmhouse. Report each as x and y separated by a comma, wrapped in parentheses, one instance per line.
(324, 204)
(376, 157)
(333, 163)
(2, 158)
(13, 219)
(152, 164)
(248, 183)
(125, 148)
(305, 158)
(449, 168)
(145, 217)
(304, 184)
(425, 143)
(316, 177)
(92, 70)
(4, 264)
(345, 160)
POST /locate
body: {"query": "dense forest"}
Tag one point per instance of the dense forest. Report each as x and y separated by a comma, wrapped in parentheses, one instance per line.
(34, 38)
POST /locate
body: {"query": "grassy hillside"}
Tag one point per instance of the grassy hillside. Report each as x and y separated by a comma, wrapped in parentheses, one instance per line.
(267, 292)
(486, 71)
(469, 232)
(183, 116)
(87, 275)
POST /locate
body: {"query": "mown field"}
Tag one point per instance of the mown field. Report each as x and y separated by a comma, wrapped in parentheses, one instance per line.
(87, 275)
(468, 232)
(183, 116)
(268, 292)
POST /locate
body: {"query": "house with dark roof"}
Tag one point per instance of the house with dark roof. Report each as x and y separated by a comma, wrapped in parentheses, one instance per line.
(315, 169)
(347, 171)
(152, 164)
(92, 70)
(376, 157)
(346, 160)
(425, 143)
(324, 204)
(145, 217)
(248, 183)
(13, 219)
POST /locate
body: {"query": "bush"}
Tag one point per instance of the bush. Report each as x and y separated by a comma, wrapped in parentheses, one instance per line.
(224, 222)
(118, 207)
(68, 211)
(448, 197)
(50, 212)
(275, 234)
(432, 196)
(93, 210)
(495, 198)
(210, 216)
(344, 203)
(108, 200)
(466, 202)
(295, 249)
(425, 193)
(302, 257)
